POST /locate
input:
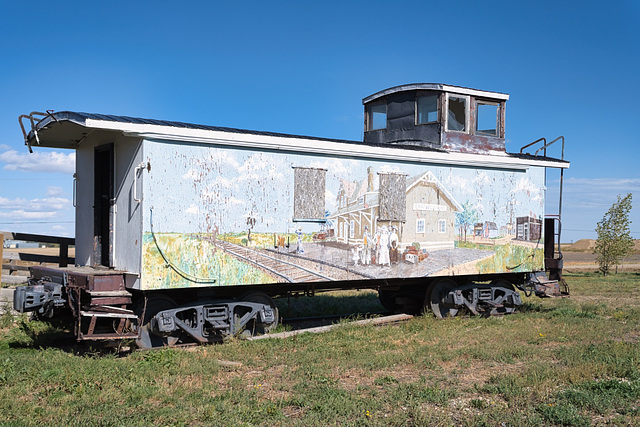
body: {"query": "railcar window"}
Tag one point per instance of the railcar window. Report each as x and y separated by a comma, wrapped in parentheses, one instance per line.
(377, 117)
(393, 197)
(457, 114)
(427, 109)
(487, 119)
(308, 194)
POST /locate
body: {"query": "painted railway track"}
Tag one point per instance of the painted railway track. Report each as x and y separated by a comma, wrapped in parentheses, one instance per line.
(284, 270)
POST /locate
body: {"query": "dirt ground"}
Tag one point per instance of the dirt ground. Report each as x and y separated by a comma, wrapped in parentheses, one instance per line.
(587, 261)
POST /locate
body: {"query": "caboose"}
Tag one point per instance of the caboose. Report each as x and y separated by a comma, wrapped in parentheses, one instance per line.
(185, 232)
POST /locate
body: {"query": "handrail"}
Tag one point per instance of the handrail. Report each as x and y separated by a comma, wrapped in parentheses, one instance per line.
(534, 142)
(544, 146)
(141, 166)
(34, 128)
(547, 145)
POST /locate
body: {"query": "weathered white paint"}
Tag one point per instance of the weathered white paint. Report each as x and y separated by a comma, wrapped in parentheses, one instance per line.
(313, 146)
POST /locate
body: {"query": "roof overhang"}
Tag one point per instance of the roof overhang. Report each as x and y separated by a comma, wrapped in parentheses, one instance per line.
(439, 87)
(70, 132)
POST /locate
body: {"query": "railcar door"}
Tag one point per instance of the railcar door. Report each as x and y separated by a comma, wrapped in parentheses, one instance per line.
(103, 200)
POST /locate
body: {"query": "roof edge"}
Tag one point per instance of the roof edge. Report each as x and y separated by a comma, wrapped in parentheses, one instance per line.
(437, 86)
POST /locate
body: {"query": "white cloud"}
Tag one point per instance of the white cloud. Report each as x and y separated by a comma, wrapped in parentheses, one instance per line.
(525, 184)
(50, 161)
(191, 175)
(335, 166)
(255, 162)
(192, 210)
(40, 205)
(53, 191)
(459, 182)
(223, 182)
(330, 200)
(235, 201)
(618, 185)
(21, 214)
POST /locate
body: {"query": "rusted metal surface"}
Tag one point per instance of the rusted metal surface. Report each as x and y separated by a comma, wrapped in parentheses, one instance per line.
(89, 279)
(468, 143)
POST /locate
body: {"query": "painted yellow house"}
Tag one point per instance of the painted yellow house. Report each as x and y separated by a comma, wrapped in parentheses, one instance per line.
(429, 212)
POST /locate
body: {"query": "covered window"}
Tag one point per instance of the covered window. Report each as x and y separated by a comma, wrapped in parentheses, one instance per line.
(420, 225)
(427, 109)
(377, 117)
(457, 113)
(308, 194)
(392, 197)
(442, 226)
(487, 119)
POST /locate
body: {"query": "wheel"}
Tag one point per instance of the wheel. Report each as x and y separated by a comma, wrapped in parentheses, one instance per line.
(502, 283)
(146, 337)
(255, 327)
(387, 299)
(435, 295)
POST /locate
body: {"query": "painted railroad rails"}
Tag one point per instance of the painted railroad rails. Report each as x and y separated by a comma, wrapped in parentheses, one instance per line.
(284, 271)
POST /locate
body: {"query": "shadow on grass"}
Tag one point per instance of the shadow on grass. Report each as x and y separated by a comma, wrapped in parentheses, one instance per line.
(56, 333)
(534, 307)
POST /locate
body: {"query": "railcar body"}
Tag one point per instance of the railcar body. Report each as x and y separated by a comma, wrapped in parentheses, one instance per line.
(183, 232)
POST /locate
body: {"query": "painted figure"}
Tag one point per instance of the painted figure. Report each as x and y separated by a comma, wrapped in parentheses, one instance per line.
(393, 243)
(367, 243)
(356, 253)
(384, 247)
(300, 249)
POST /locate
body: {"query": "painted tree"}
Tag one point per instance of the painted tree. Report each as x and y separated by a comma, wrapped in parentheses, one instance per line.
(466, 219)
(614, 241)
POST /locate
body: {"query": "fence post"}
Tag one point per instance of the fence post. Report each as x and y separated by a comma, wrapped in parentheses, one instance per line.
(64, 254)
(1, 254)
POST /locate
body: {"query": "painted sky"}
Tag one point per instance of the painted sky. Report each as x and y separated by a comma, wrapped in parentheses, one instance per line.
(302, 68)
(217, 189)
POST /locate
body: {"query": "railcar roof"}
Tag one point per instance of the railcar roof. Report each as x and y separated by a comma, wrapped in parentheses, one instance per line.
(81, 119)
(66, 129)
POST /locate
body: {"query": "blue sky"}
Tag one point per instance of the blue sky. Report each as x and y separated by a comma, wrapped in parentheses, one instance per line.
(302, 68)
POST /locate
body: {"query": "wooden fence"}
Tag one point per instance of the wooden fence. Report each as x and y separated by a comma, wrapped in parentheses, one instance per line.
(63, 259)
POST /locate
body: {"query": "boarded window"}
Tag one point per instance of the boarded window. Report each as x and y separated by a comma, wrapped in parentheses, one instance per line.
(308, 194)
(393, 197)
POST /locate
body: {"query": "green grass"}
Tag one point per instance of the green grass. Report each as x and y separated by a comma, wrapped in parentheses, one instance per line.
(573, 361)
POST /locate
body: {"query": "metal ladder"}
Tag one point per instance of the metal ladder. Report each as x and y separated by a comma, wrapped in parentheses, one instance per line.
(553, 246)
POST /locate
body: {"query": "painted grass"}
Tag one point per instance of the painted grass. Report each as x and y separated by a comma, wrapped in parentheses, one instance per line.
(574, 361)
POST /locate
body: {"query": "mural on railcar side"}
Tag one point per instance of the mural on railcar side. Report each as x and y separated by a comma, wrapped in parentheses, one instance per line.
(243, 217)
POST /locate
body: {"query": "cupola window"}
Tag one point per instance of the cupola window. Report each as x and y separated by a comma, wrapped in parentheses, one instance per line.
(427, 109)
(487, 119)
(377, 117)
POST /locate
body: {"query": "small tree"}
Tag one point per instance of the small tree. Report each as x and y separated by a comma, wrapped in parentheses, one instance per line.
(466, 219)
(614, 239)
